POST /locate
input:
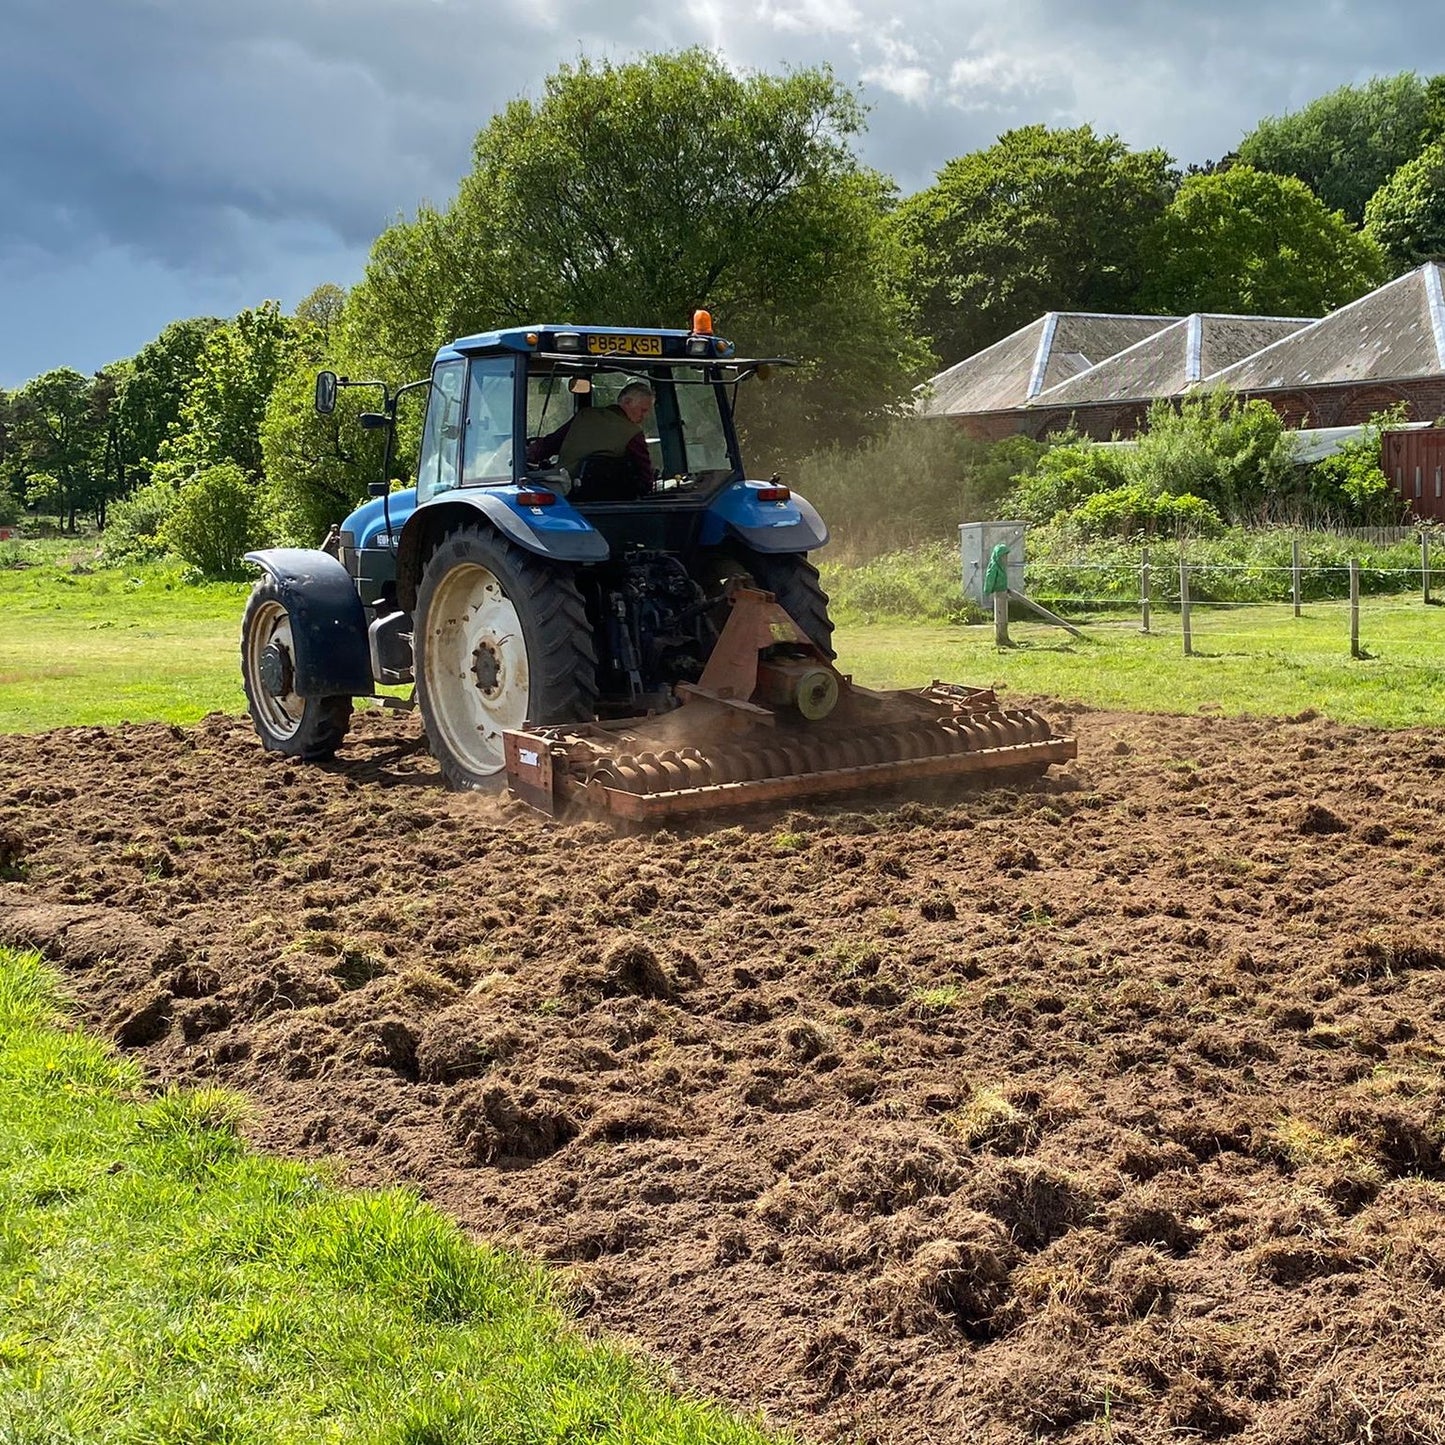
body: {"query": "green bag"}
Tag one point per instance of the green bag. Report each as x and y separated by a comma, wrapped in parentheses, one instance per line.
(996, 578)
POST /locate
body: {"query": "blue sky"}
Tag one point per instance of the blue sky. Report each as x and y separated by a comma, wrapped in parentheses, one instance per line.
(169, 158)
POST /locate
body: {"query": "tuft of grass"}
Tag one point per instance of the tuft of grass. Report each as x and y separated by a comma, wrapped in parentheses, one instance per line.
(160, 1284)
(989, 1120)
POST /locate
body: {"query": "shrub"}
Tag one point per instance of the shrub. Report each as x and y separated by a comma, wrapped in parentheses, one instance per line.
(1350, 484)
(1134, 509)
(1235, 455)
(134, 526)
(217, 519)
(1072, 470)
(9, 507)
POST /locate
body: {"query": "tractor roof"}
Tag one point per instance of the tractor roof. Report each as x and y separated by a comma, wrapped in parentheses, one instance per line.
(597, 345)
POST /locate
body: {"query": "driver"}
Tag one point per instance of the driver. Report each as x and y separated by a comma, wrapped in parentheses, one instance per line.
(607, 431)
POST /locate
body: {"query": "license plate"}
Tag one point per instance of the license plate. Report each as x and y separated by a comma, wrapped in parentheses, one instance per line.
(625, 345)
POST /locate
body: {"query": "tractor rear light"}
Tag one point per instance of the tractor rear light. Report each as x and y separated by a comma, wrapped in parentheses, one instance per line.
(699, 346)
(773, 494)
(536, 499)
(568, 341)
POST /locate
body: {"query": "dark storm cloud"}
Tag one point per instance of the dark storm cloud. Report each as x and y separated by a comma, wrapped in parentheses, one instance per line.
(210, 149)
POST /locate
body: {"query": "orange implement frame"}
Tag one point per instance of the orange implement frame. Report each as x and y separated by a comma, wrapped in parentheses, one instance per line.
(769, 720)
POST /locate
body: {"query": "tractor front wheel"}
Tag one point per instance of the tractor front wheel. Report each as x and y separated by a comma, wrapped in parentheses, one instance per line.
(502, 640)
(310, 728)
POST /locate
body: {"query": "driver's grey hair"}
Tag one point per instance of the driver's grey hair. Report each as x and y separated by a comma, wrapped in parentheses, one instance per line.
(636, 388)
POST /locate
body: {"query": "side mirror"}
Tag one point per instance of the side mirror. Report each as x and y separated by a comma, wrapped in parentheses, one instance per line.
(373, 420)
(325, 392)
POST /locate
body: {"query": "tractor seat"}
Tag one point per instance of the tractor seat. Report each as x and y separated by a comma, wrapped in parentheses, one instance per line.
(602, 478)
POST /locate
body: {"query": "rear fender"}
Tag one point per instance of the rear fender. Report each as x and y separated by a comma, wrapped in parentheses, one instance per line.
(790, 526)
(328, 623)
(558, 532)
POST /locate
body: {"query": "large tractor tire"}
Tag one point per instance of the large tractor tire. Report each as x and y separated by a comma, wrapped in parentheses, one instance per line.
(502, 640)
(310, 728)
(793, 580)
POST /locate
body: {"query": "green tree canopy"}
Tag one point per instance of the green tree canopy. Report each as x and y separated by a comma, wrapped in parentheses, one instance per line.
(632, 194)
(1345, 145)
(1242, 240)
(1042, 220)
(56, 440)
(1407, 214)
(226, 398)
(149, 394)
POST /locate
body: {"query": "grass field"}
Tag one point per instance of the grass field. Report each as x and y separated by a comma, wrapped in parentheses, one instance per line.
(162, 1285)
(104, 646)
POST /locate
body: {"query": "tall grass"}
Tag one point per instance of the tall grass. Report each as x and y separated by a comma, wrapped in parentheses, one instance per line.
(160, 1284)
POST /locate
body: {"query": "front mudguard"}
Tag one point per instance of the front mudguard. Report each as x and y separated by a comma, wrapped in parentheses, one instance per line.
(328, 622)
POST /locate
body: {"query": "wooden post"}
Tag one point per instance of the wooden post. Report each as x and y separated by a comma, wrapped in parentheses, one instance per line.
(1184, 607)
(1354, 607)
(1425, 565)
(1144, 592)
(1295, 573)
(1000, 619)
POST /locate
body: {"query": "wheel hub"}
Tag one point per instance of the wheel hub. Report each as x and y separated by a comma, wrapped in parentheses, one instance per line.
(278, 676)
(487, 667)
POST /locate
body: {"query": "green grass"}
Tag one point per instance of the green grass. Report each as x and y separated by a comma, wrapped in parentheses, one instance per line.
(104, 646)
(82, 646)
(162, 1285)
(1258, 659)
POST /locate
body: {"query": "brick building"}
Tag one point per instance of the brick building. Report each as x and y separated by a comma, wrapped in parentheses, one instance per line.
(1388, 347)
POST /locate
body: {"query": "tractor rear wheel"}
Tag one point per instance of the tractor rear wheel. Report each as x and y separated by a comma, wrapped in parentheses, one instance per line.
(310, 728)
(502, 640)
(793, 580)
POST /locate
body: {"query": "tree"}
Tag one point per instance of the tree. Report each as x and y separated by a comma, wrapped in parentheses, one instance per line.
(1406, 216)
(1345, 145)
(57, 438)
(149, 394)
(1042, 220)
(1244, 241)
(633, 193)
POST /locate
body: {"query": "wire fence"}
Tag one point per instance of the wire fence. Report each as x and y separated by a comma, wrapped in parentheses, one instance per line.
(1195, 594)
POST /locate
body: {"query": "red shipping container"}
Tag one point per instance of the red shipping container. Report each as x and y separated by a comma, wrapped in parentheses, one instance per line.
(1415, 461)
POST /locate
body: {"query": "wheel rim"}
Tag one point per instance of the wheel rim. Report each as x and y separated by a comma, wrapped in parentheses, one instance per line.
(475, 667)
(280, 714)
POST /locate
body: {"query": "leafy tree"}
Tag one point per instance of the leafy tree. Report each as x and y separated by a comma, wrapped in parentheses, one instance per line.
(1243, 240)
(149, 394)
(322, 308)
(216, 520)
(633, 193)
(1042, 220)
(226, 398)
(56, 442)
(1344, 145)
(1406, 216)
(317, 467)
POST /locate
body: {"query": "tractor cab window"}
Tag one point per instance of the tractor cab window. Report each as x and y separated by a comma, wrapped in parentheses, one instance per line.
(700, 420)
(487, 439)
(607, 387)
(437, 468)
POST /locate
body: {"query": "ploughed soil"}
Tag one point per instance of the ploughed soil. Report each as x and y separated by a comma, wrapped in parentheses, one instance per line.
(1105, 1109)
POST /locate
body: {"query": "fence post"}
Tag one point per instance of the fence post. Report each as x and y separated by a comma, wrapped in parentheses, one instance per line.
(1354, 607)
(1000, 619)
(1184, 607)
(1144, 592)
(1295, 573)
(1425, 565)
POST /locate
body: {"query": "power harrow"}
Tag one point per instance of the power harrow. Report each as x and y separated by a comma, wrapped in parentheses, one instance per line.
(770, 720)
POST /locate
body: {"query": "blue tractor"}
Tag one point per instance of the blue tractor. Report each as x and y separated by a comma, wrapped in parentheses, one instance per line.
(582, 537)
